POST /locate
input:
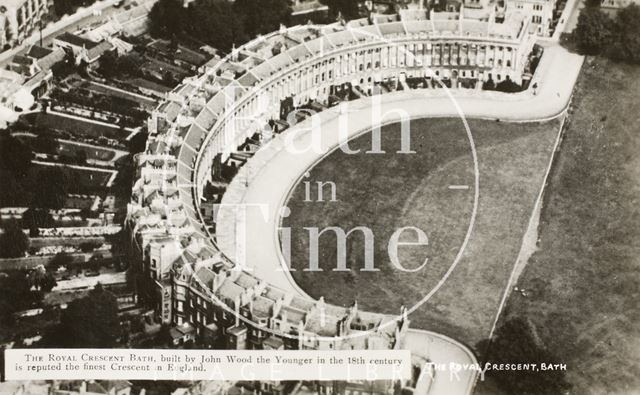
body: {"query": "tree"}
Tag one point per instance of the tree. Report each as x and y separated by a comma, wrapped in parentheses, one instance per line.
(81, 157)
(13, 241)
(517, 341)
(35, 218)
(108, 64)
(50, 188)
(61, 259)
(12, 192)
(625, 45)
(489, 85)
(14, 156)
(217, 23)
(262, 16)
(593, 31)
(45, 143)
(113, 66)
(41, 279)
(347, 8)
(214, 22)
(167, 18)
(15, 295)
(138, 143)
(89, 322)
(507, 85)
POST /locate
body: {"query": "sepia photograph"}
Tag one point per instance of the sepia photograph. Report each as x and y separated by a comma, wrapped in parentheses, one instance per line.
(319, 197)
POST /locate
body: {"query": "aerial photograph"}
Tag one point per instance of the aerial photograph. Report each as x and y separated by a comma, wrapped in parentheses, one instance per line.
(457, 180)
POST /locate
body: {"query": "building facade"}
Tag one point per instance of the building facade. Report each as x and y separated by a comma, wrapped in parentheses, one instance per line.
(540, 13)
(19, 19)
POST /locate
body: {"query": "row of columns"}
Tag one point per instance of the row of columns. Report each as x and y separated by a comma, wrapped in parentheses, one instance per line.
(351, 64)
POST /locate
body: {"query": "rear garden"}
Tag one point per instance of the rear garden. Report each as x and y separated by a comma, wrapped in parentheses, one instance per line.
(77, 129)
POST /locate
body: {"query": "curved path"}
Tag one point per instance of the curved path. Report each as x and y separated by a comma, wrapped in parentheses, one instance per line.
(264, 183)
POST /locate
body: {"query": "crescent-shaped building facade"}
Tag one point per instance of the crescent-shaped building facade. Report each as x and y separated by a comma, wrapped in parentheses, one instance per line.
(218, 118)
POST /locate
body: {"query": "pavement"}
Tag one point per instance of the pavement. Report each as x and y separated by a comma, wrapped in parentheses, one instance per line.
(263, 185)
(573, 15)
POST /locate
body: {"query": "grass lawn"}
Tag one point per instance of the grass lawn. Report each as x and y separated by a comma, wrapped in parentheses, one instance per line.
(95, 153)
(583, 282)
(92, 152)
(75, 127)
(82, 181)
(388, 191)
(148, 103)
(89, 179)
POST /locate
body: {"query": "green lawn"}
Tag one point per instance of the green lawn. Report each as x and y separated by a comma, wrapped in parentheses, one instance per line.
(82, 181)
(74, 127)
(582, 286)
(95, 153)
(72, 150)
(385, 192)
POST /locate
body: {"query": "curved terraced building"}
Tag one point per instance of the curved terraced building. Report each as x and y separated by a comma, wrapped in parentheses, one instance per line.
(213, 122)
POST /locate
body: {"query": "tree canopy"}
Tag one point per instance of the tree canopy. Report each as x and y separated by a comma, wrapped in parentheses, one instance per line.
(15, 156)
(219, 23)
(507, 85)
(626, 33)
(33, 219)
(617, 38)
(113, 65)
(50, 188)
(89, 322)
(517, 341)
(60, 259)
(262, 16)
(41, 279)
(593, 31)
(13, 241)
(15, 295)
(347, 8)
(64, 7)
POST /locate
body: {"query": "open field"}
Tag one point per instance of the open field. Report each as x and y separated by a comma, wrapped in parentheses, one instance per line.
(582, 284)
(387, 191)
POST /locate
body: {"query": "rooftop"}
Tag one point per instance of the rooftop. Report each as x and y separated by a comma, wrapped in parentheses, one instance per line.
(36, 51)
(76, 40)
